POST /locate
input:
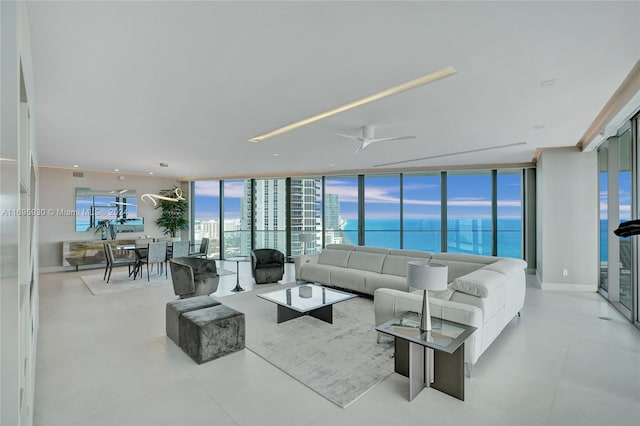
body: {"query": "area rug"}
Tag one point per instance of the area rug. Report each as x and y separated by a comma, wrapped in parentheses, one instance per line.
(121, 281)
(340, 361)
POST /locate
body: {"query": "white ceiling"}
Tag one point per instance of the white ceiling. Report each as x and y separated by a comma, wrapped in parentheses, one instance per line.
(131, 84)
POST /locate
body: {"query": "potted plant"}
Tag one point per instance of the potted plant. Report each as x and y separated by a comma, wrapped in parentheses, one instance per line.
(172, 212)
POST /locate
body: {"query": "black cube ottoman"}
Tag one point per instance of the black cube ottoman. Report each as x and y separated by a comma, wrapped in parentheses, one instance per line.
(210, 333)
(175, 308)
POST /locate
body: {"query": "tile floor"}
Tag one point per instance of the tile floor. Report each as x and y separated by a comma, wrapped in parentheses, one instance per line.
(105, 360)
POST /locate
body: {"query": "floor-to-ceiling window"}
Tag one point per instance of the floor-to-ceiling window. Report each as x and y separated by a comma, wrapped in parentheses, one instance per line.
(469, 218)
(341, 210)
(624, 214)
(603, 183)
(270, 214)
(509, 213)
(206, 214)
(617, 258)
(422, 216)
(382, 211)
(482, 211)
(236, 218)
(306, 215)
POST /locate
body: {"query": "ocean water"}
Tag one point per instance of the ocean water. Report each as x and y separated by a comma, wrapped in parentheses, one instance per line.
(471, 236)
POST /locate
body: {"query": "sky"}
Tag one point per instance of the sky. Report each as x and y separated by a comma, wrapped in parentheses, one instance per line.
(469, 196)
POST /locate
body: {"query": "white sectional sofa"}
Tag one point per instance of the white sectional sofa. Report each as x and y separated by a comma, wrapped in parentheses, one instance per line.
(484, 292)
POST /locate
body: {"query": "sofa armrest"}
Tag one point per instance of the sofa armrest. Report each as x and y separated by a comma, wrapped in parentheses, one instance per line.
(304, 259)
(389, 303)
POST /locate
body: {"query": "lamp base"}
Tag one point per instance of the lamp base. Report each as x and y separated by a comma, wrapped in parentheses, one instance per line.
(425, 320)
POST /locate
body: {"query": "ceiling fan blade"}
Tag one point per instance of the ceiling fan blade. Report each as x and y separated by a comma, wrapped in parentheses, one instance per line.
(352, 137)
(450, 154)
(393, 138)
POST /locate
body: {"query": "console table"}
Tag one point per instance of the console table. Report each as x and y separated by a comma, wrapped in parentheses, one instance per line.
(91, 252)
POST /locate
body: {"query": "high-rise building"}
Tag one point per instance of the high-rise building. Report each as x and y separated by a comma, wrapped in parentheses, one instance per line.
(270, 213)
(306, 214)
(333, 222)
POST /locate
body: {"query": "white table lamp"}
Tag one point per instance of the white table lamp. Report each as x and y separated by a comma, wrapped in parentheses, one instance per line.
(304, 239)
(427, 276)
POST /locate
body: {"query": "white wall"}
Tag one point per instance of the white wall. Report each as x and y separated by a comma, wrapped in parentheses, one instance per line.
(567, 220)
(58, 191)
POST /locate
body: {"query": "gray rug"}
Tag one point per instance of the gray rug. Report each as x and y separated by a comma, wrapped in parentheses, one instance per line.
(340, 361)
(121, 281)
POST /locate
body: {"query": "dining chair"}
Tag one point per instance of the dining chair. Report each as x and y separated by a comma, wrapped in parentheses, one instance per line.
(142, 244)
(156, 253)
(180, 249)
(112, 261)
(204, 249)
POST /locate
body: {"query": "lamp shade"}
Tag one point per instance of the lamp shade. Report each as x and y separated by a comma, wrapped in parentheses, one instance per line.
(306, 238)
(427, 275)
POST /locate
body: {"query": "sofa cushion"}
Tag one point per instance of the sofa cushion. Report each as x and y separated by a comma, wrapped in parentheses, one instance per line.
(345, 247)
(411, 253)
(367, 249)
(458, 269)
(397, 265)
(490, 306)
(374, 282)
(463, 257)
(480, 283)
(352, 279)
(507, 266)
(334, 257)
(366, 261)
(315, 273)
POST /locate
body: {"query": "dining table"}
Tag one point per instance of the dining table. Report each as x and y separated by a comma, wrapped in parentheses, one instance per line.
(138, 251)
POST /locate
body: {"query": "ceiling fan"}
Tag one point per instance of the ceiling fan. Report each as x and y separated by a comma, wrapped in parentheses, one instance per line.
(368, 138)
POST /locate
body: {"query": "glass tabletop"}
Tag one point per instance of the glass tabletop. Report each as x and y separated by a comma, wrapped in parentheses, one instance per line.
(307, 297)
(238, 259)
(445, 335)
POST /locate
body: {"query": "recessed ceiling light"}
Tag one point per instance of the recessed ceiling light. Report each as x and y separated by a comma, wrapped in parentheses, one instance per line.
(276, 155)
(164, 164)
(332, 165)
(362, 101)
(116, 170)
(150, 173)
(548, 82)
(75, 166)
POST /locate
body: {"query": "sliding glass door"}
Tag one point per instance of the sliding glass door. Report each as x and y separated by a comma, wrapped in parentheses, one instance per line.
(617, 255)
(603, 184)
(624, 213)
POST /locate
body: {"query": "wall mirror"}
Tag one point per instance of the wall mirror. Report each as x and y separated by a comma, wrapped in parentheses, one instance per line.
(118, 206)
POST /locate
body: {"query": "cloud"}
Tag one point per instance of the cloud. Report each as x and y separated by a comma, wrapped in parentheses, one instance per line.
(348, 193)
(234, 188)
(419, 186)
(208, 188)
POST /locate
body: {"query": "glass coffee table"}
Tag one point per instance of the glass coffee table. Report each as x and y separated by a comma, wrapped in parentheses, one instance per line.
(307, 299)
(432, 358)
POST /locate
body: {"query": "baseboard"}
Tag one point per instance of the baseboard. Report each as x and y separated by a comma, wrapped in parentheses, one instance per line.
(49, 269)
(568, 287)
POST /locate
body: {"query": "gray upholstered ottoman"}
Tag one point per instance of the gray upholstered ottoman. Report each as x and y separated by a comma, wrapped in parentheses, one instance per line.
(175, 308)
(210, 333)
